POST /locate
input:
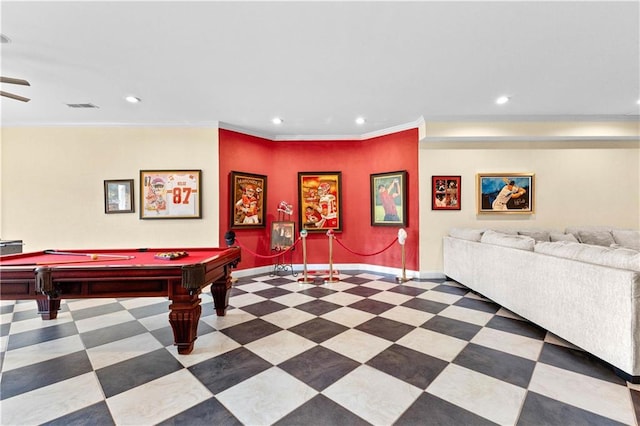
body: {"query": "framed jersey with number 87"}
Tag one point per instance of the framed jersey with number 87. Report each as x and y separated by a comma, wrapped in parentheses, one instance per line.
(170, 194)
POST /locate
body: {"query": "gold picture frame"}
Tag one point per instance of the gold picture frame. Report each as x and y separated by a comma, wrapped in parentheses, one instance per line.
(506, 193)
(319, 201)
(248, 193)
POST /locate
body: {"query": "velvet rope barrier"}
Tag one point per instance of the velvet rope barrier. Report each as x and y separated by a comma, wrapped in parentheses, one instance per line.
(365, 254)
(273, 256)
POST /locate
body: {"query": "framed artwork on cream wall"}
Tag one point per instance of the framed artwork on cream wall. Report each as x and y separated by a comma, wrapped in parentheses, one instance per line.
(506, 193)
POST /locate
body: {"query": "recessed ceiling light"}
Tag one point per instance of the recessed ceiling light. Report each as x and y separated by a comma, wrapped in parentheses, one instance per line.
(638, 102)
(277, 120)
(502, 100)
(360, 120)
(132, 99)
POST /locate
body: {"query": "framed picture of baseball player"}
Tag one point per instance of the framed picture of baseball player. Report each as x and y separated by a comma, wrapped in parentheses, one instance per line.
(319, 201)
(389, 199)
(248, 194)
(170, 194)
(446, 192)
(506, 193)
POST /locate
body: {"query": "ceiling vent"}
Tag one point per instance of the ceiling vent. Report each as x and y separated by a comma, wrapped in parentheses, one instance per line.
(82, 106)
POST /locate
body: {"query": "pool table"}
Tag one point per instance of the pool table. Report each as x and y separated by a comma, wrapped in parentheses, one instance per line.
(49, 277)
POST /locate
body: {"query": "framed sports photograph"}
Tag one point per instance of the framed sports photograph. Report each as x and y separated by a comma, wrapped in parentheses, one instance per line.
(506, 193)
(319, 201)
(389, 199)
(446, 192)
(248, 193)
(282, 234)
(170, 194)
(118, 196)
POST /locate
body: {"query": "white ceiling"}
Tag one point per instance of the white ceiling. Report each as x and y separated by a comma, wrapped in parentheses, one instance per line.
(319, 65)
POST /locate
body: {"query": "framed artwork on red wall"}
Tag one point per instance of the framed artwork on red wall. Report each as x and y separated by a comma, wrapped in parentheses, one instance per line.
(319, 201)
(248, 193)
(446, 192)
(389, 199)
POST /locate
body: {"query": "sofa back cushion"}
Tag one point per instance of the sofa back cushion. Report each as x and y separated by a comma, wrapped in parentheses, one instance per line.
(536, 234)
(471, 234)
(606, 256)
(594, 235)
(521, 242)
(557, 236)
(627, 238)
(596, 238)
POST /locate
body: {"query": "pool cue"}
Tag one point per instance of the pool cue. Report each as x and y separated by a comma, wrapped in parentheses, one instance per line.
(70, 253)
(56, 263)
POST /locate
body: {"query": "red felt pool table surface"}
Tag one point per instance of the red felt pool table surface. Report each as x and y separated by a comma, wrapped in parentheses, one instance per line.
(111, 257)
(87, 273)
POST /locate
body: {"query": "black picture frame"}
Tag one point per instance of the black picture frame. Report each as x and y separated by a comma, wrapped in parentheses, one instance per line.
(389, 198)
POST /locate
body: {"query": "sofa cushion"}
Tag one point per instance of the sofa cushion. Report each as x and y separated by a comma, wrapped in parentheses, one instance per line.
(622, 258)
(521, 242)
(598, 255)
(471, 234)
(536, 234)
(575, 230)
(596, 238)
(505, 231)
(627, 238)
(557, 236)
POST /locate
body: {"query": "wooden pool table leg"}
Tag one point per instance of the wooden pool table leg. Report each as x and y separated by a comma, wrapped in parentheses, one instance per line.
(220, 290)
(48, 308)
(184, 316)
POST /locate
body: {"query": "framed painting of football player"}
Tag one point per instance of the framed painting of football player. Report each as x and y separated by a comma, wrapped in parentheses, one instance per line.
(170, 194)
(319, 201)
(248, 194)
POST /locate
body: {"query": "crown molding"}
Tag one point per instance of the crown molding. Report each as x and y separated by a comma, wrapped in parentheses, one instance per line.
(419, 123)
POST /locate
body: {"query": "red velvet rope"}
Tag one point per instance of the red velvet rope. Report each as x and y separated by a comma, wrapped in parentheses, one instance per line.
(280, 253)
(363, 254)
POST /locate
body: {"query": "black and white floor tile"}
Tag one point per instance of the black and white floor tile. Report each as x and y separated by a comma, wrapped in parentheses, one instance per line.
(364, 350)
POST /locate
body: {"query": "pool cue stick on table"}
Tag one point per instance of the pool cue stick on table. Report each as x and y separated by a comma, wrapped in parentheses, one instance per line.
(54, 263)
(91, 255)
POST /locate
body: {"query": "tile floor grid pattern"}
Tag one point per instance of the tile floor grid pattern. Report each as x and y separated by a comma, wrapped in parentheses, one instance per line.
(364, 350)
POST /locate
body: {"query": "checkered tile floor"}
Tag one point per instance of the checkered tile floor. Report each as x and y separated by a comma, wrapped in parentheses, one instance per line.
(364, 350)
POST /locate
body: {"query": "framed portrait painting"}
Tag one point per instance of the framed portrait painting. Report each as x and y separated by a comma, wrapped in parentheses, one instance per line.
(170, 194)
(506, 193)
(118, 196)
(446, 192)
(389, 199)
(248, 194)
(282, 234)
(319, 201)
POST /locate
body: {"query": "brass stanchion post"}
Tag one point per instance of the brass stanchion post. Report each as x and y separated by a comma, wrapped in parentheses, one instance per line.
(304, 279)
(402, 237)
(331, 278)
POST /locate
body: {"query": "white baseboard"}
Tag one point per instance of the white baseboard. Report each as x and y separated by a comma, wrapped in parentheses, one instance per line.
(298, 268)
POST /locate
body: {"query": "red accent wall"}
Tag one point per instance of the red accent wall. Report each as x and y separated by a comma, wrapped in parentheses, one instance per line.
(281, 161)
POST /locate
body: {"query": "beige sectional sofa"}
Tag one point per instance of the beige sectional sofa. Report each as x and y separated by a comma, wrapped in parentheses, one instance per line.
(582, 284)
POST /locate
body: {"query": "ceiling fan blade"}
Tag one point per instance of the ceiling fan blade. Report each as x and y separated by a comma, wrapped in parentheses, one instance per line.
(12, 96)
(14, 81)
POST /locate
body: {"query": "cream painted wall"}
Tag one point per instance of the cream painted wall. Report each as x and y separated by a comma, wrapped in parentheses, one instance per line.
(52, 186)
(576, 183)
(52, 196)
